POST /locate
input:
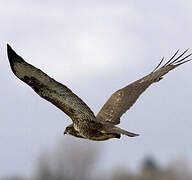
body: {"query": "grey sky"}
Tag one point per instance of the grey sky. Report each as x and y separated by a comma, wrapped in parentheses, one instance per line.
(96, 47)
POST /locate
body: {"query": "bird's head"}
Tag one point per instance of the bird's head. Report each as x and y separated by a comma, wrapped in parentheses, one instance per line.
(70, 130)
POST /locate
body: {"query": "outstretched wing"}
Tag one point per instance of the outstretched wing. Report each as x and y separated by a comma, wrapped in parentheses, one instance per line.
(49, 89)
(124, 98)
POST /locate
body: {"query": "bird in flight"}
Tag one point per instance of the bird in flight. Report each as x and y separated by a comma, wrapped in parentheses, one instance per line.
(84, 123)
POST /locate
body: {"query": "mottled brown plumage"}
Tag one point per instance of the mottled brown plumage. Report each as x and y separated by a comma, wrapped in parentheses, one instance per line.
(85, 124)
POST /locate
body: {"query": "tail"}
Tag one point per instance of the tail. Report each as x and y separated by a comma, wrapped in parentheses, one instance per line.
(118, 130)
(158, 73)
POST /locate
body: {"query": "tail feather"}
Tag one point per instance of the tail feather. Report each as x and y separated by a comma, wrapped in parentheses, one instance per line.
(121, 131)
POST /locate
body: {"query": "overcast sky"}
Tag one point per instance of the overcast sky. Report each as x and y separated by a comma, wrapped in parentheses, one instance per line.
(96, 47)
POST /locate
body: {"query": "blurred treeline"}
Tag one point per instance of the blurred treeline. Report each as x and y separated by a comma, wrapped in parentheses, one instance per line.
(79, 161)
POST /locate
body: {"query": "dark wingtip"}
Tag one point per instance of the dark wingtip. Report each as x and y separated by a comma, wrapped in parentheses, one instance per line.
(13, 57)
(11, 54)
(8, 46)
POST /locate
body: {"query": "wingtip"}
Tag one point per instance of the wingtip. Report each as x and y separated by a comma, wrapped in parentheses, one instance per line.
(9, 49)
(12, 55)
(8, 46)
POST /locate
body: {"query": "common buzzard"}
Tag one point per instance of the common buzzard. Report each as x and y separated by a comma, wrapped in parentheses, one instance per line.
(85, 123)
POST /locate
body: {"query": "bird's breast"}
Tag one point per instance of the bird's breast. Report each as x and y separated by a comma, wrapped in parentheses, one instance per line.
(76, 127)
